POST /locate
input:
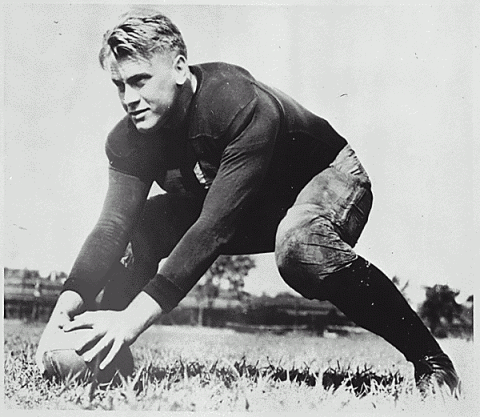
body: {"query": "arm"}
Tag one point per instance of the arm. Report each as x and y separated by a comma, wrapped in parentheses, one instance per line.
(242, 169)
(244, 163)
(243, 166)
(123, 203)
(104, 246)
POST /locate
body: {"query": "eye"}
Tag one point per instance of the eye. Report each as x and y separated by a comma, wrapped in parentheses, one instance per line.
(120, 86)
(138, 82)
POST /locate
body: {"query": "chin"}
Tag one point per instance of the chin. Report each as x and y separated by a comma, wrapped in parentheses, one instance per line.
(143, 127)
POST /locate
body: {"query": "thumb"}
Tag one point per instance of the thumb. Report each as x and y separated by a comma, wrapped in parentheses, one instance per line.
(82, 321)
(63, 319)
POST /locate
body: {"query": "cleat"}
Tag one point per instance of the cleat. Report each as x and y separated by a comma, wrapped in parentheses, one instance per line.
(436, 369)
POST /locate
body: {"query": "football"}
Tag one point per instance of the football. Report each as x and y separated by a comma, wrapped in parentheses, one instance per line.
(63, 363)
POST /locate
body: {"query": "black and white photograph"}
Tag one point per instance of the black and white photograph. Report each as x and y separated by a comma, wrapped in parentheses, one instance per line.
(241, 208)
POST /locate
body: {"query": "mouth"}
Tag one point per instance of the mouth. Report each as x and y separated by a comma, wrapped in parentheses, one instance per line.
(137, 113)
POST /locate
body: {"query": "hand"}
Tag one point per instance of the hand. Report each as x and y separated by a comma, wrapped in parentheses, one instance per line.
(57, 321)
(114, 329)
(111, 330)
(69, 303)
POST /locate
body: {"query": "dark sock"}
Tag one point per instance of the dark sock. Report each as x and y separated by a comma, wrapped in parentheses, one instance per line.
(371, 300)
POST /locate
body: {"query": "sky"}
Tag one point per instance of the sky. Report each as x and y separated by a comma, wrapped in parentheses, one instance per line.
(396, 81)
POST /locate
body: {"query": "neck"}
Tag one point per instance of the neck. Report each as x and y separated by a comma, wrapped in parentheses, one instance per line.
(181, 104)
(193, 80)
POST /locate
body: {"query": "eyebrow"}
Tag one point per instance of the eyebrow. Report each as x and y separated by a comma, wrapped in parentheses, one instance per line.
(133, 78)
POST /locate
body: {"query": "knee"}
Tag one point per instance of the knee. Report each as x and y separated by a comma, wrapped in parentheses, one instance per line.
(307, 251)
(288, 247)
(302, 241)
(290, 256)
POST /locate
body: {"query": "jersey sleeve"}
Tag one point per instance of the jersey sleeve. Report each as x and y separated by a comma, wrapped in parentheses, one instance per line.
(106, 243)
(243, 166)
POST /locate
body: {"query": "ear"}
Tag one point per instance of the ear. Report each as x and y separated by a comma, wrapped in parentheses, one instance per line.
(180, 67)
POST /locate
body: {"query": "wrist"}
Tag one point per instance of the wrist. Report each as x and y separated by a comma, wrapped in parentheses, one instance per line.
(143, 311)
(165, 292)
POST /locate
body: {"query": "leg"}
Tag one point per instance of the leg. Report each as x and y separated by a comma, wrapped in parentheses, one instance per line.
(314, 254)
(316, 237)
(366, 295)
(163, 222)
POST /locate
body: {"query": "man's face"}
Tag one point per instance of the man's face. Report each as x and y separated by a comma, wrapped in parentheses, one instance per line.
(147, 87)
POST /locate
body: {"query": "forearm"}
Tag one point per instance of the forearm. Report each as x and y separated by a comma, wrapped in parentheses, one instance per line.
(230, 196)
(190, 259)
(101, 249)
(105, 244)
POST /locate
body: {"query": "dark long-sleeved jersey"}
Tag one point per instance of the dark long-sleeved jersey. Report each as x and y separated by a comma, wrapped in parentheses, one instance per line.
(233, 142)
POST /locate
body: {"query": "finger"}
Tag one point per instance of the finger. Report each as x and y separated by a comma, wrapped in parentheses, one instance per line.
(84, 320)
(117, 345)
(86, 343)
(75, 325)
(94, 351)
(63, 319)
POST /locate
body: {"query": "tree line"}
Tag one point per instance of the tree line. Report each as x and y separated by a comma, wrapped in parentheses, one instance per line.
(225, 280)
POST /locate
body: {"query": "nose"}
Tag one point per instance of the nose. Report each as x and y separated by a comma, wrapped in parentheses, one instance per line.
(130, 97)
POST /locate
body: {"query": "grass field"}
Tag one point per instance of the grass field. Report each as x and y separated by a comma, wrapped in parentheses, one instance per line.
(204, 369)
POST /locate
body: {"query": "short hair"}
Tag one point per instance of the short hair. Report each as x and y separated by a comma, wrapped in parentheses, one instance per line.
(140, 36)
